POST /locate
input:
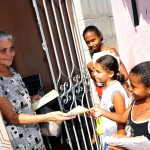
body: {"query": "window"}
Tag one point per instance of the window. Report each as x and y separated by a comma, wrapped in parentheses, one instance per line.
(135, 13)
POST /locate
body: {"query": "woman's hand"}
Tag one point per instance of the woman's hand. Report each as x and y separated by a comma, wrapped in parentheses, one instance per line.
(59, 116)
(35, 98)
(115, 148)
(95, 112)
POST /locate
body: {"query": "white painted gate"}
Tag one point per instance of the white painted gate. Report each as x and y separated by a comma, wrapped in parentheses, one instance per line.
(60, 28)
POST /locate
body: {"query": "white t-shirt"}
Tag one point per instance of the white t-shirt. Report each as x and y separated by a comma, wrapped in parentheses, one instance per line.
(110, 127)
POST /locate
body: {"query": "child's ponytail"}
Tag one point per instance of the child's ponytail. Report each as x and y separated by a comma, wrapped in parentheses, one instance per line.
(110, 63)
(120, 77)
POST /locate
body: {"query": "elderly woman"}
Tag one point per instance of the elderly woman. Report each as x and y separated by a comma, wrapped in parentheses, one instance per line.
(15, 103)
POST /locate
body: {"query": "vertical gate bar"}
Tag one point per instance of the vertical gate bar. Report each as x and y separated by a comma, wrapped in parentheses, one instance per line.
(78, 31)
(71, 84)
(92, 124)
(67, 37)
(68, 72)
(52, 38)
(55, 51)
(46, 48)
(81, 68)
(80, 62)
(44, 45)
(84, 88)
(71, 57)
(61, 42)
(76, 48)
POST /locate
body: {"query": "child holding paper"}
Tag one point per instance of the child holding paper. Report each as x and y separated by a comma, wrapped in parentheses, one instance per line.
(137, 115)
(114, 97)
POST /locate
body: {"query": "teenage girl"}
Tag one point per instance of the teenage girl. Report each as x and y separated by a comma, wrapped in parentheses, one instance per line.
(137, 115)
(93, 38)
(114, 97)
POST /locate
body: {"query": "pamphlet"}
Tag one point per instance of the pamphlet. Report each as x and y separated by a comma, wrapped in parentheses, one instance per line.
(45, 99)
(133, 143)
(77, 111)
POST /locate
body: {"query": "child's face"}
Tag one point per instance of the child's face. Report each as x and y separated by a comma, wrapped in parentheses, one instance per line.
(100, 74)
(93, 41)
(139, 91)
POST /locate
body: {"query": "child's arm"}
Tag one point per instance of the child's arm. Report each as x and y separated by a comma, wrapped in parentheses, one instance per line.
(120, 118)
(122, 67)
(90, 67)
(120, 107)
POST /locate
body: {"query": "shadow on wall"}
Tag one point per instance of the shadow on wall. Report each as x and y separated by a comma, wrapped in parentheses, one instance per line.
(143, 9)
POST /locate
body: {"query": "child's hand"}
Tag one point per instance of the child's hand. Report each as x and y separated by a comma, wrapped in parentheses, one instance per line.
(120, 136)
(95, 112)
(115, 148)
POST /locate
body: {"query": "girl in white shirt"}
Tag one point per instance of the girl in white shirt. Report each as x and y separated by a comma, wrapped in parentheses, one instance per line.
(114, 97)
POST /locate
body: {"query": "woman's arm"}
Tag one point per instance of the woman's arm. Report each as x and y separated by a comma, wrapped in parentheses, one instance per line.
(11, 116)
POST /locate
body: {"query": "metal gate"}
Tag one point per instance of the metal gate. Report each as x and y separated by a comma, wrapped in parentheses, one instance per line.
(70, 77)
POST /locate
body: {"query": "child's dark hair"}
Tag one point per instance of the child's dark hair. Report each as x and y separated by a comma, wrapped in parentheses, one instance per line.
(110, 63)
(91, 29)
(143, 70)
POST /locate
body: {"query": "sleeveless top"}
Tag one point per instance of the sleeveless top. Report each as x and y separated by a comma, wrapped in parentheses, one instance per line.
(134, 129)
(109, 126)
(22, 137)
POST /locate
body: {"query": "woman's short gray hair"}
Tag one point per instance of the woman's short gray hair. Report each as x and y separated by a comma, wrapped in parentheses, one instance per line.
(5, 36)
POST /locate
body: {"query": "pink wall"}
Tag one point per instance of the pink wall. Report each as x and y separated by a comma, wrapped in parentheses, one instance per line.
(133, 41)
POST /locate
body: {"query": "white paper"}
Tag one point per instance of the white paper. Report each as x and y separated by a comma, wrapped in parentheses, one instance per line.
(135, 143)
(77, 110)
(45, 99)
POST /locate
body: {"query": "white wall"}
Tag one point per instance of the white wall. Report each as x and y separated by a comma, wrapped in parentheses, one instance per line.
(133, 42)
(98, 13)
